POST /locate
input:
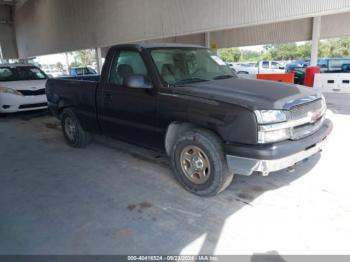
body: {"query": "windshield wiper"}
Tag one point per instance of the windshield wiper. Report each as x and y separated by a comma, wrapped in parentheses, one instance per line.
(190, 80)
(222, 77)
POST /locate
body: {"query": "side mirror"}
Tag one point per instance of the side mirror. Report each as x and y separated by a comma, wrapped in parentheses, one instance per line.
(282, 68)
(137, 81)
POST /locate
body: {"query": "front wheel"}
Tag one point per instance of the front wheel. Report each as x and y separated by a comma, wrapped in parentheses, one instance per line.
(199, 163)
(75, 135)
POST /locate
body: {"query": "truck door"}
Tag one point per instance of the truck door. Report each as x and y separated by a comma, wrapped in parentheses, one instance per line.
(128, 113)
(277, 68)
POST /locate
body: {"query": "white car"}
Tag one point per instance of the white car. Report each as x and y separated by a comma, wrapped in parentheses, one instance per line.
(262, 67)
(22, 88)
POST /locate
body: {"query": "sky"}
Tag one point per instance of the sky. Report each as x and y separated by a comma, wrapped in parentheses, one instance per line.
(53, 59)
(256, 48)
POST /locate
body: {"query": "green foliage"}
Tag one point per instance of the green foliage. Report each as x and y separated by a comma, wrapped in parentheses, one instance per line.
(75, 64)
(230, 54)
(282, 51)
(83, 57)
(59, 66)
(331, 48)
(335, 48)
(304, 51)
(250, 55)
(236, 55)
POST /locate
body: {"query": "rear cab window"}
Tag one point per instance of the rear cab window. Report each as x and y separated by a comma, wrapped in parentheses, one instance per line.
(127, 63)
(265, 64)
(81, 71)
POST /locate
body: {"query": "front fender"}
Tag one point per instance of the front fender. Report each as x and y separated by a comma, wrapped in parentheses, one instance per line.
(233, 123)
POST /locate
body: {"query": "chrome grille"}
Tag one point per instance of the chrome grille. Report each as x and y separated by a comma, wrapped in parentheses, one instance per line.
(37, 92)
(312, 111)
(306, 130)
(302, 111)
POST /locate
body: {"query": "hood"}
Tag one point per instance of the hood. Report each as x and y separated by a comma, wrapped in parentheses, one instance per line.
(25, 84)
(252, 94)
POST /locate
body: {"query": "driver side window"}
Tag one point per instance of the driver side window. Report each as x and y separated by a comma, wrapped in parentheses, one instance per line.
(125, 64)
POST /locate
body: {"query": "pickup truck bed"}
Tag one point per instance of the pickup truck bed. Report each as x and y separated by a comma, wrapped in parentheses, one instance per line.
(77, 92)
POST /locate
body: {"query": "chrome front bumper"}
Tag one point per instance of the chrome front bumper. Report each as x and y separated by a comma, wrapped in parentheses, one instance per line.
(246, 166)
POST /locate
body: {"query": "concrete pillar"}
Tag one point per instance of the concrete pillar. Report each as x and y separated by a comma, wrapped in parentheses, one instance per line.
(207, 40)
(67, 62)
(1, 56)
(99, 60)
(316, 30)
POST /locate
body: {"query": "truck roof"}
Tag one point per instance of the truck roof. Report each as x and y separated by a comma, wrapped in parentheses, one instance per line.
(158, 45)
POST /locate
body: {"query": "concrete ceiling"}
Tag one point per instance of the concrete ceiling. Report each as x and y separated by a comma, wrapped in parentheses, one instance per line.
(52, 26)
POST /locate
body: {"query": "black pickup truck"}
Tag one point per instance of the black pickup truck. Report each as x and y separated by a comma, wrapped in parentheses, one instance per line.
(185, 101)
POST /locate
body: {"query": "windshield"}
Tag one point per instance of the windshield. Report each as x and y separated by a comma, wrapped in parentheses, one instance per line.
(21, 73)
(179, 66)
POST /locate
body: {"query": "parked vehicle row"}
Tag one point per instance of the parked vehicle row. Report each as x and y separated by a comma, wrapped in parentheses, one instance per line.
(185, 101)
(261, 67)
(82, 71)
(327, 65)
(22, 88)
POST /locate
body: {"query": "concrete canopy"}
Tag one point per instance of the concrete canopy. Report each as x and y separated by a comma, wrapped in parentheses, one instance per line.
(44, 27)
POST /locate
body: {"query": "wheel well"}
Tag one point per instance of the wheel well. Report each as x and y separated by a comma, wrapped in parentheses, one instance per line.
(173, 130)
(176, 128)
(62, 105)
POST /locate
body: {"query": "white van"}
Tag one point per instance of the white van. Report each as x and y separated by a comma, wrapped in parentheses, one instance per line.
(22, 88)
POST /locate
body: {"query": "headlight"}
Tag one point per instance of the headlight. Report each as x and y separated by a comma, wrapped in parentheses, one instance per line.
(273, 136)
(270, 116)
(267, 118)
(9, 91)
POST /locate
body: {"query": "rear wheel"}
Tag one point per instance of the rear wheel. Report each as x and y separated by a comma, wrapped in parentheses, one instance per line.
(75, 135)
(199, 164)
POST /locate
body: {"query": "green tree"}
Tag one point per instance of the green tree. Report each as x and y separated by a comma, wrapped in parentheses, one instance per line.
(230, 54)
(250, 56)
(59, 66)
(303, 51)
(75, 64)
(281, 51)
(339, 47)
(330, 48)
(84, 57)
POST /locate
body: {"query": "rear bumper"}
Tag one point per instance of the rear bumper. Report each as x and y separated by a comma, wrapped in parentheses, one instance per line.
(246, 159)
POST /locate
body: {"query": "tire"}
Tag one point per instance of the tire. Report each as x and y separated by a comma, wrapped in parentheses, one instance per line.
(74, 134)
(210, 180)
